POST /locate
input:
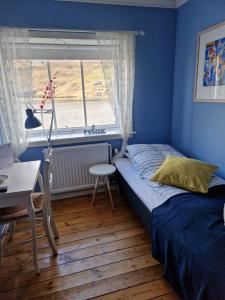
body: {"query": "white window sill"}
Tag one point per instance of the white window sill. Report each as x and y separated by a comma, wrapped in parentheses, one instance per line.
(73, 138)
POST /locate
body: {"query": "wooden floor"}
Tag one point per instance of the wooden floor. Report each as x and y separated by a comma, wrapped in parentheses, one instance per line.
(103, 254)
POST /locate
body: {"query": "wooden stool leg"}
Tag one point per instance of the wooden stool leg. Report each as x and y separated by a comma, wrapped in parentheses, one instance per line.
(106, 189)
(110, 195)
(96, 185)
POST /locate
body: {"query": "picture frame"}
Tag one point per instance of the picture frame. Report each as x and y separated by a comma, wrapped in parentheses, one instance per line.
(210, 65)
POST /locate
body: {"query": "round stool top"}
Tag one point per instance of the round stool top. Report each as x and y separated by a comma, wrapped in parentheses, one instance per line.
(102, 170)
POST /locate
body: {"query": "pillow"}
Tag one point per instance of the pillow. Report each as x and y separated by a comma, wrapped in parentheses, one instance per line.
(163, 149)
(136, 149)
(190, 174)
(147, 158)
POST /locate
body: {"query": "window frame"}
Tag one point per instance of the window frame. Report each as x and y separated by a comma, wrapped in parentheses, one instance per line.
(57, 133)
(39, 139)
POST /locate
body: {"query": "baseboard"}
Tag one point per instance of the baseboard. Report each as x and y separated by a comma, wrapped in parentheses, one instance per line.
(80, 193)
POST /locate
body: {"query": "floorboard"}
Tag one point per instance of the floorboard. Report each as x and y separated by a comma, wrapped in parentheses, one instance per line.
(103, 255)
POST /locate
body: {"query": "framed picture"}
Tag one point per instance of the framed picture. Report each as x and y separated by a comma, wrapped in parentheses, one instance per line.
(210, 66)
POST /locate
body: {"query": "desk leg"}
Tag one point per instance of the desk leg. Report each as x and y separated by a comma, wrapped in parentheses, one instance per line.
(31, 213)
(40, 182)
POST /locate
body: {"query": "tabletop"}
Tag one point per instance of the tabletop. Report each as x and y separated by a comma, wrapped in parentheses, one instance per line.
(22, 177)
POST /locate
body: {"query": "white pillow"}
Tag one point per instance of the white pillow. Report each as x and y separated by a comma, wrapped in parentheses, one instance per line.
(147, 158)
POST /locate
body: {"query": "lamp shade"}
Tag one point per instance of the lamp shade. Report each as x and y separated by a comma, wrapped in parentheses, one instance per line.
(31, 121)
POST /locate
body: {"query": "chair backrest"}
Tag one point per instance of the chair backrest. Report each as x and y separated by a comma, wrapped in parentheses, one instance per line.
(48, 178)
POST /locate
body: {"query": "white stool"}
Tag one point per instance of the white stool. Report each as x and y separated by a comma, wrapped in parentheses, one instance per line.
(103, 170)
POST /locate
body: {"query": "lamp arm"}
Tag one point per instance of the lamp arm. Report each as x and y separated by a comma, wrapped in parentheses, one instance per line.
(29, 105)
(50, 130)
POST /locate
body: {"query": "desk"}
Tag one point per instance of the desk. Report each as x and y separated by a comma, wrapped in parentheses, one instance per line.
(22, 179)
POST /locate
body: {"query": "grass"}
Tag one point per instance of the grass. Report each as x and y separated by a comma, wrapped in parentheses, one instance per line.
(68, 79)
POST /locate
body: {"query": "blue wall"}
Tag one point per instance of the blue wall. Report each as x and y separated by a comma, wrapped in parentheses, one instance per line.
(198, 129)
(154, 53)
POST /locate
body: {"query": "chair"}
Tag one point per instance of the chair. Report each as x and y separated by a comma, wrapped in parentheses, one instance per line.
(42, 207)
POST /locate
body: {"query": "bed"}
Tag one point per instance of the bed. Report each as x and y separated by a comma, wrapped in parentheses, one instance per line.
(136, 190)
(187, 232)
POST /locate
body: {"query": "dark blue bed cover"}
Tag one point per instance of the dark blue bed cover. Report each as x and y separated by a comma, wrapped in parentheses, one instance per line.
(188, 237)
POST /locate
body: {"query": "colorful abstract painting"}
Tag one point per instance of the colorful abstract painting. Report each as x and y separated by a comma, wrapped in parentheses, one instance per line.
(214, 66)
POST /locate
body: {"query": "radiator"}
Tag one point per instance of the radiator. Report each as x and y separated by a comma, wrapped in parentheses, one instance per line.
(71, 166)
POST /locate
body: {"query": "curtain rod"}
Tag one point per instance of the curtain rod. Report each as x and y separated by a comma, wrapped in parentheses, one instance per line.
(140, 33)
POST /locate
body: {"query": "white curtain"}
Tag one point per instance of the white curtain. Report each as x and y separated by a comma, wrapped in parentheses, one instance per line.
(15, 88)
(120, 48)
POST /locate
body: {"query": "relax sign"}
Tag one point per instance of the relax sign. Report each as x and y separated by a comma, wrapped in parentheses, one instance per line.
(95, 130)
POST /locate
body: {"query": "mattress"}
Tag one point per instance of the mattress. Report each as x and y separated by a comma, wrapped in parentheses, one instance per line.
(151, 194)
(140, 187)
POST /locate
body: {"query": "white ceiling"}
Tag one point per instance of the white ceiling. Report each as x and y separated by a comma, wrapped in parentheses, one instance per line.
(146, 3)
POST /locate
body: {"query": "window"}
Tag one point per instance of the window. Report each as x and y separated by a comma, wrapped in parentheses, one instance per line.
(81, 98)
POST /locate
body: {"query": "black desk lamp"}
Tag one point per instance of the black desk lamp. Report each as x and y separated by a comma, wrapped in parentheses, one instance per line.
(33, 122)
